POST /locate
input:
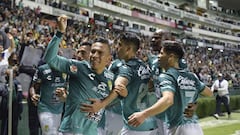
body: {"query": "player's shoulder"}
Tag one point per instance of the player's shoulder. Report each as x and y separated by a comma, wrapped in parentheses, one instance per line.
(115, 64)
(44, 66)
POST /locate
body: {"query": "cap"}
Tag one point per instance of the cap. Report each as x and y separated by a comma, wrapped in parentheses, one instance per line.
(220, 74)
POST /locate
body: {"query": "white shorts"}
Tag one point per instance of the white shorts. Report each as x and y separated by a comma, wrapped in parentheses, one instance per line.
(69, 134)
(186, 129)
(101, 131)
(114, 123)
(162, 127)
(125, 131)
(49, 123)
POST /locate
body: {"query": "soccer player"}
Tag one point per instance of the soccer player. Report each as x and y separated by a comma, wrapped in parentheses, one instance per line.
(50, 107)
(134, 74)
(83, 51)
(179, 87)
(156, 44)
(87, 80)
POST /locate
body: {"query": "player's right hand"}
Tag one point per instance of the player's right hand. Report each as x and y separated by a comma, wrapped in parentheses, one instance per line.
(35, 99)
(121, 90)
(62, 23)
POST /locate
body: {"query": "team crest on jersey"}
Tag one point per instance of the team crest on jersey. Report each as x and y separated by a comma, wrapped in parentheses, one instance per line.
(110, 84)
(73, 69)
(64, 76)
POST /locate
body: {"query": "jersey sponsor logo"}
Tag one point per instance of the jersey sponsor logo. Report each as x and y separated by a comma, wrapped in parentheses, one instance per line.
(144, 72)
(91, 76)
(58, 84)
(73, 69)
(186, 83)
(101, 89)
(95, 116)
(165, 82)
(49, 78)
(47, 71)
(102, 86)
(57, 79)
(108, 75)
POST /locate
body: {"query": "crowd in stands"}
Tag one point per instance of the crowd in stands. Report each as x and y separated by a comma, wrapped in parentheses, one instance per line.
(178, 21)
(33, 29)
(227, 45)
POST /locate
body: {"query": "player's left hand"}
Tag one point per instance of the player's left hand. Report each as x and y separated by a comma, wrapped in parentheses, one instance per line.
(189, 111)
(136, 119)
(61, 93)
(94, 107)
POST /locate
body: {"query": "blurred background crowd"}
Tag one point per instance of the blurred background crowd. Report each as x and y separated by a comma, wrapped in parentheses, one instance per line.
(34, 29)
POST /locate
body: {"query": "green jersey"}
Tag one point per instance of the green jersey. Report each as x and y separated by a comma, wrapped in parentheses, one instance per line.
(49, 80)
(115, 106)
(84, 83)
(155, 72)
(186, 88)
(138, 75)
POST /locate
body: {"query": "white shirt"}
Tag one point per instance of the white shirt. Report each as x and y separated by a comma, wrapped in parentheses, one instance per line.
(4, 65)
(221, 86)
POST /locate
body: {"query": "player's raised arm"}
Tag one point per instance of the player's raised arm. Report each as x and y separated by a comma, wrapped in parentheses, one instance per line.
(51, 54)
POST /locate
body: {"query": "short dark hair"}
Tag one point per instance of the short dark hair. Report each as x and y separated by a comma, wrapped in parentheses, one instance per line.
(103, 41)
(86, 43)
(173, 47)
(130, 39)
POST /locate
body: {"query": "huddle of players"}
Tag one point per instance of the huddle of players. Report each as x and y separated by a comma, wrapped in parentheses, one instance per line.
(92, 88)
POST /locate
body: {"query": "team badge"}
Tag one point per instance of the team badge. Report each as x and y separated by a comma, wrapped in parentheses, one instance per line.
(73, 69)
(64, 76)
(110, 85)
(46, 128)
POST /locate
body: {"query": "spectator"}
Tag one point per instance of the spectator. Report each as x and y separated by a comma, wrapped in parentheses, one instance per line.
(221, 87)
(17, 106)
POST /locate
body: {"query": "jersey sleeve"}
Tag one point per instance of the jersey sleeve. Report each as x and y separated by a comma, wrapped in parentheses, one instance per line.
(167, 83)
(37, 76)
(55, 61)
(200, 85)
(125, 71)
